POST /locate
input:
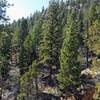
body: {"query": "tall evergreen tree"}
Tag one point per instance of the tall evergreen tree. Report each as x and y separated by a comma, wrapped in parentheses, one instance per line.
(94, 33)
(70, 66)
(29, 83)
(5, 53)
(52, 37)
(23, 54)
(23, 30)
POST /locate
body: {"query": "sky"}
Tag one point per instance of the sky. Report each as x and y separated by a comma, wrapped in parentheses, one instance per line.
(23, 8)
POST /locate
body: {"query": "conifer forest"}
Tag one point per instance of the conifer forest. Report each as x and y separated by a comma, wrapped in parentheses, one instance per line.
(52, 54)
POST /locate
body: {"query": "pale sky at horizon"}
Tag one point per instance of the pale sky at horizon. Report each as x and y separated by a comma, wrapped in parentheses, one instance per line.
(23, 8)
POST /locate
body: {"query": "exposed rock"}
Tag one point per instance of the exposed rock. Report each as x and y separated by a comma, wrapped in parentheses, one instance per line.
(89, 84)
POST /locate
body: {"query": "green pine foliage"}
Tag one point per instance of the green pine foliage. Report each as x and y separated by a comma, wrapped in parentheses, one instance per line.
(26, 82)
(70, 66)
(51, 41)
(5, 50)
(63, 39)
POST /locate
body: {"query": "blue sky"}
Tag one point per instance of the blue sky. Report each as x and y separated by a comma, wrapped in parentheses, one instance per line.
(23, 8)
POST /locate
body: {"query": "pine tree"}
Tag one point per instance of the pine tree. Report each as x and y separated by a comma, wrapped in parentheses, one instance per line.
(23, 30)
(29, 83)
(23, 54)
(70, 66)
(94, 34)
(15, 27)
(5, 41)
(5, 50)
(52, 37)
